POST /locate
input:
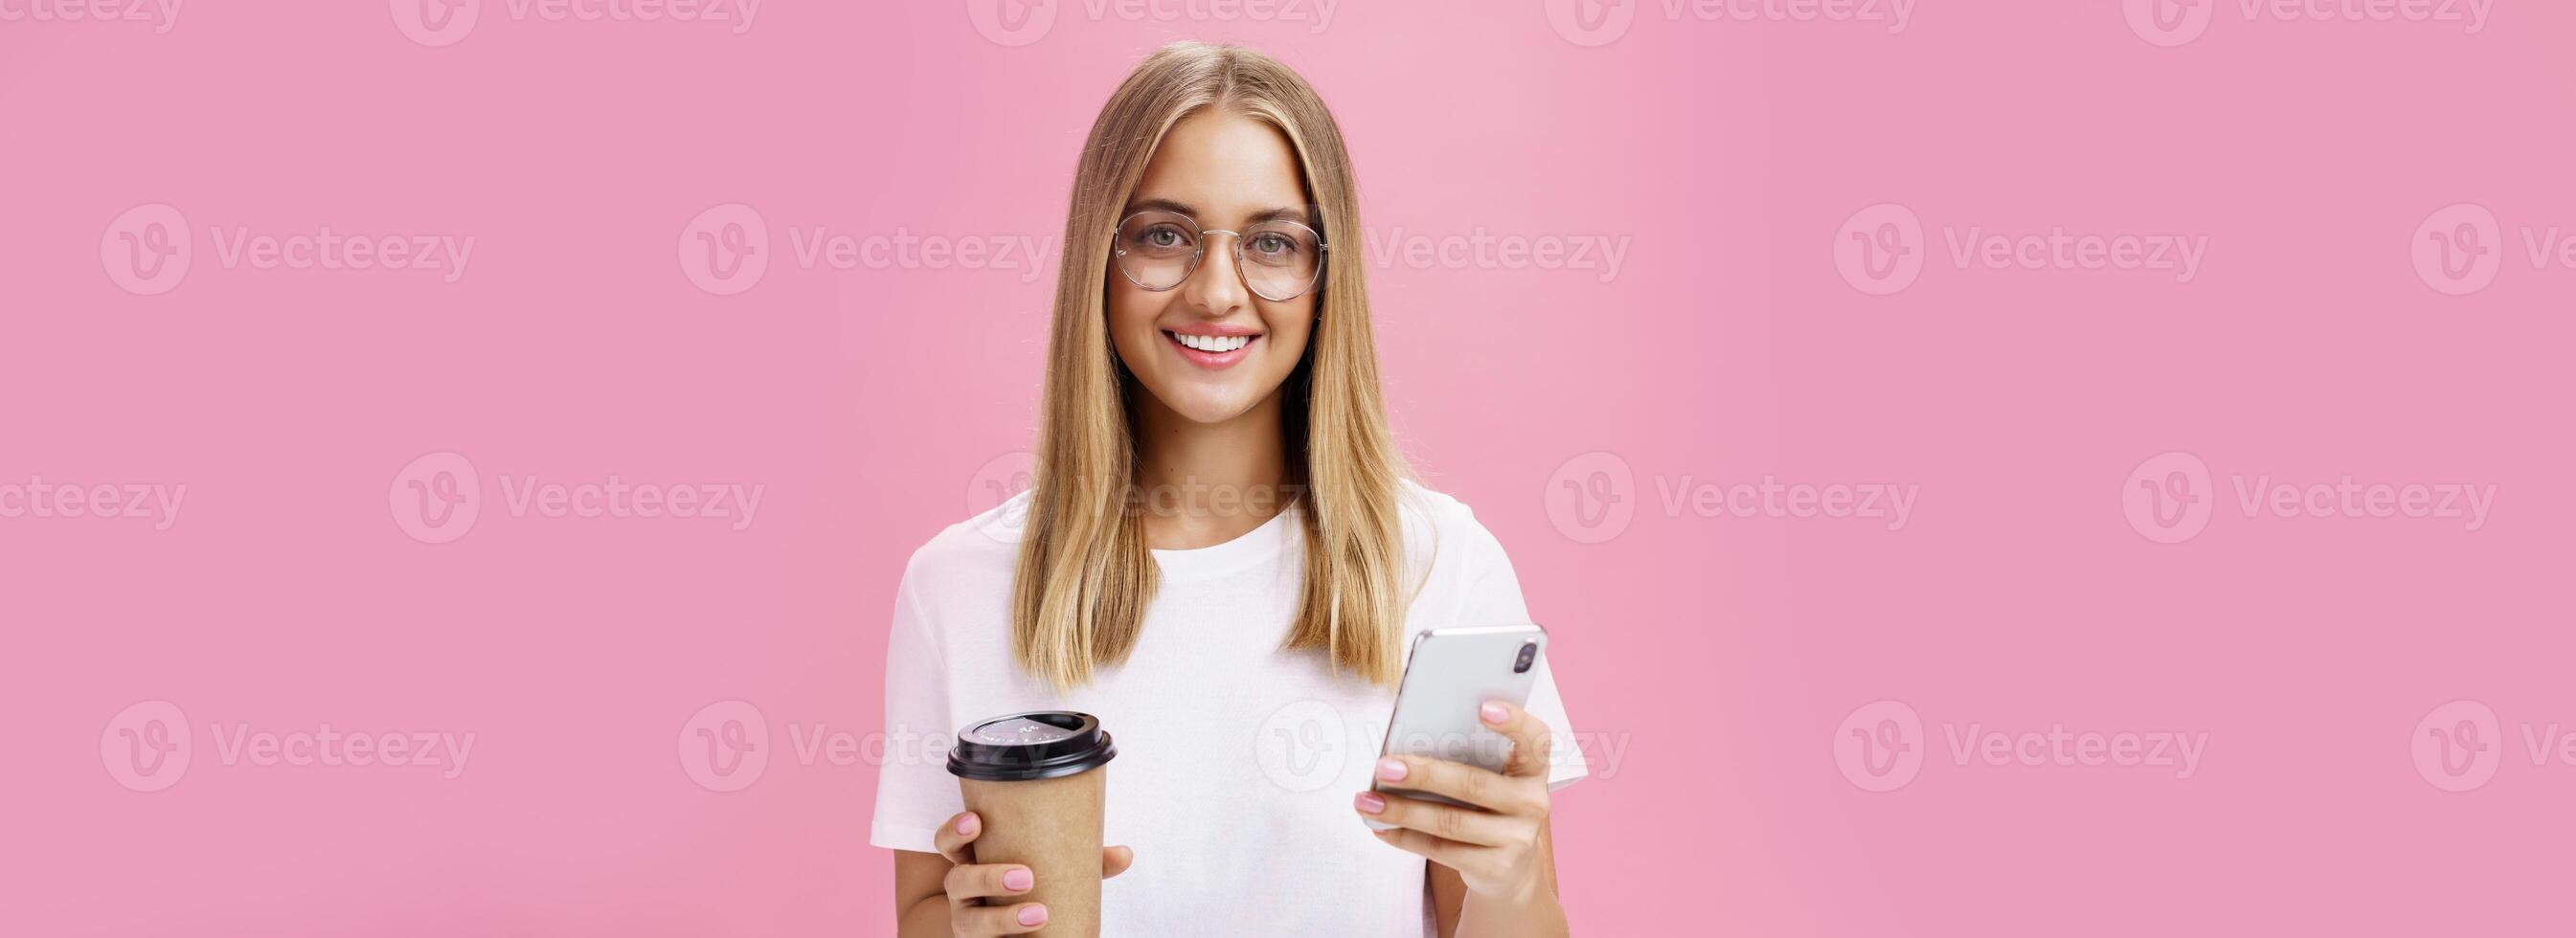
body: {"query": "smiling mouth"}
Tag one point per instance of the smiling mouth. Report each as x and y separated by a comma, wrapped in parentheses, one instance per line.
(1211, 351)
(1212, 344)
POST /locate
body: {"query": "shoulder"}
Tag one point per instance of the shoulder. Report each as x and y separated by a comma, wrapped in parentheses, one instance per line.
(1441, 532)
(971, 554)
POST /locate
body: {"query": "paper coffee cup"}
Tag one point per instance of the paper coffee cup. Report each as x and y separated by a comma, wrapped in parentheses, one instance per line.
(1037, 781)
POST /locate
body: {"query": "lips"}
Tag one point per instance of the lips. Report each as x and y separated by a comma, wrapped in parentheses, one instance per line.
(1213, 347)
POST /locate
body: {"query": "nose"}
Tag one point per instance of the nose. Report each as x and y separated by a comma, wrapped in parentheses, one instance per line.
(1216, 288)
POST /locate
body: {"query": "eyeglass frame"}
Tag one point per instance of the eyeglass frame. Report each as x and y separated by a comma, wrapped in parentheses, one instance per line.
(1198, 255)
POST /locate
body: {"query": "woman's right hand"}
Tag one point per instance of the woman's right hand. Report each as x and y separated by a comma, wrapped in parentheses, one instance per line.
(968, 881)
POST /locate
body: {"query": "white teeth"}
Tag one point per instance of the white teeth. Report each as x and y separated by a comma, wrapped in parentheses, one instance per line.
(1212, 343)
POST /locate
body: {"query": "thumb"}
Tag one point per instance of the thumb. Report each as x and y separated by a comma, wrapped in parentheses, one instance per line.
(1116, 860)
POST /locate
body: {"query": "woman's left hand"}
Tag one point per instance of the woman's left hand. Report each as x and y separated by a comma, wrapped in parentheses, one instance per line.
(1495, 846)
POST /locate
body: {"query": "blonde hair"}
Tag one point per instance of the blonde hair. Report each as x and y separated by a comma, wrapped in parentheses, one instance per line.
(1085, 575)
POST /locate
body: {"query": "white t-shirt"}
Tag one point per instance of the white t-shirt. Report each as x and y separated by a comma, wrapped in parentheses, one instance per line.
(1236, 761)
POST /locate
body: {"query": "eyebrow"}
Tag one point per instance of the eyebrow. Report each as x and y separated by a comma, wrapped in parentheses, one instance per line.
(1293, 213)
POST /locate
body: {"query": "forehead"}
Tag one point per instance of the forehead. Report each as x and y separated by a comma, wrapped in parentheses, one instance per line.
(1226, 166)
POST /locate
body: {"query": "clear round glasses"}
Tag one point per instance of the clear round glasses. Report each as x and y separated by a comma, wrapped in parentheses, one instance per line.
(1279, 260)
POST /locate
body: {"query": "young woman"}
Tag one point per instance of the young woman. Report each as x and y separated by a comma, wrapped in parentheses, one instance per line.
(1223, 558)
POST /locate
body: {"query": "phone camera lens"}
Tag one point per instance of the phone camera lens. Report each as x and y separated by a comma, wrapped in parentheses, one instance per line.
(1529, 656)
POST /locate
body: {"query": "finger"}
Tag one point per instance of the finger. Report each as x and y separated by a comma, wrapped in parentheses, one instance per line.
(1533, 741)
(971, 881)
(969, 919)
(1448, 853)
(1116, 860)
(1447, 822)
(953, 837)
(1471, 784)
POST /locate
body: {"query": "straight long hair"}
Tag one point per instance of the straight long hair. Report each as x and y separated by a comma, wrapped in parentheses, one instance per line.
(1085, 575)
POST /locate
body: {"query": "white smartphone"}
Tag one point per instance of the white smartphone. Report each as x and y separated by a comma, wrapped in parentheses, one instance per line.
(1450, 674)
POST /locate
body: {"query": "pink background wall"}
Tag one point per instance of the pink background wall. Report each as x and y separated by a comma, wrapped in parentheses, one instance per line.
(1757, 165)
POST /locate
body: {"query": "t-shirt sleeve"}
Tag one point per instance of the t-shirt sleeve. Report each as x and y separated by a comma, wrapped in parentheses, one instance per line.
(1493, 597)
(915, 793)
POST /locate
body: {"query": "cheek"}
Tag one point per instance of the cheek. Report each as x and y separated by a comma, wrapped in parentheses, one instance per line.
(1131, 315)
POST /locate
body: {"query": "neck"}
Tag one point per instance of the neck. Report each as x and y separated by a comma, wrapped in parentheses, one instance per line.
(1208, 483)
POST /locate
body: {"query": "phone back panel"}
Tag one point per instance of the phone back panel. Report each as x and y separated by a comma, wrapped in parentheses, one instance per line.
(1450, 674)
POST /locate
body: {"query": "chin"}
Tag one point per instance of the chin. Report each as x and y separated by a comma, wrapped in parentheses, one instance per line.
(1212, 405)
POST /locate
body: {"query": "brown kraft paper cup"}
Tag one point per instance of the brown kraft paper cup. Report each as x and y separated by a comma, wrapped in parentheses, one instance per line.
(1039, 782)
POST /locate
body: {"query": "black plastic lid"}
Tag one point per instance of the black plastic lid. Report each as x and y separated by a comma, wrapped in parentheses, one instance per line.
(1037, 744)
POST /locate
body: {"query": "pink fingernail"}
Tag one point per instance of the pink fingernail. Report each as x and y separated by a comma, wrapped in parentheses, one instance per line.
(1495, 712)
(1033, 914)
(1019, 880)
(1390, 769)
(1370, 803)
(966, 825)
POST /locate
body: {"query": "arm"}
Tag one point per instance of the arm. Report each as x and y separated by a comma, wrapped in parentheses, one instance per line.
(1487, 917)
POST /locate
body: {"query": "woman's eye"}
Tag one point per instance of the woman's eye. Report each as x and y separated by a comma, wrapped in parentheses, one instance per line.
(1272, 244)
(1163, 238)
